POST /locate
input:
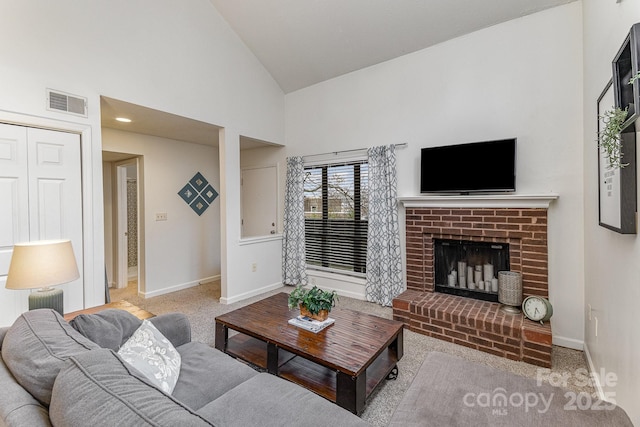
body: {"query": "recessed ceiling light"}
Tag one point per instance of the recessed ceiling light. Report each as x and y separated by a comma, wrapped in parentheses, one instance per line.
(123, 119)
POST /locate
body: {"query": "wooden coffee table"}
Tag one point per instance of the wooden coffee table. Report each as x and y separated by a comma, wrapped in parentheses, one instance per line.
(343, 363)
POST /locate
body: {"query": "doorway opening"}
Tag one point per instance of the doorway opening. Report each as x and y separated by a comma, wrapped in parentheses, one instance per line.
(122, 193)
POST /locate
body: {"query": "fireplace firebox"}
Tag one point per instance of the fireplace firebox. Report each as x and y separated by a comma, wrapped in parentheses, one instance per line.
(469, 269)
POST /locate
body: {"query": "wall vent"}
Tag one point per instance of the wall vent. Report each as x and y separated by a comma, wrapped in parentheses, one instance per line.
(67, 103)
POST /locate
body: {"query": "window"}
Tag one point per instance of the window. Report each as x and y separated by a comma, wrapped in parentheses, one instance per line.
(335, 211)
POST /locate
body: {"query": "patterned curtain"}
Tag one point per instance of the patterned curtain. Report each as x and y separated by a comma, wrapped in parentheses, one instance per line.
(294, 261)
(384, 263)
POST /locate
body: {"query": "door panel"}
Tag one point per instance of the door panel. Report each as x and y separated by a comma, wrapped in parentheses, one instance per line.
(55, 194)
(14, 213)
(14, 209)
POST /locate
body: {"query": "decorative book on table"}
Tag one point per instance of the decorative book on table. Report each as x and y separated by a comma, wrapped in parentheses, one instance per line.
(309, 324)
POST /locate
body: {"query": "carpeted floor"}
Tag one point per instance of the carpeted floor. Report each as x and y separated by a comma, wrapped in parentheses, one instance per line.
(201, 305)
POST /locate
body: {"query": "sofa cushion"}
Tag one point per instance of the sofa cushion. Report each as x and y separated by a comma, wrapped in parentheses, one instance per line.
(112, 327)
(206, 374)
(152, 354)
(108, 328)
(36, 347)
(99, 389)
(275, 402)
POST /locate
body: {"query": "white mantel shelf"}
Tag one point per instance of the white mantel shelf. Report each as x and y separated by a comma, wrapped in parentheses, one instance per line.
(480, 201)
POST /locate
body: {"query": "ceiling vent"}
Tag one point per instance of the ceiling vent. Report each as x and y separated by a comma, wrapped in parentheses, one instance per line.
(66, 103)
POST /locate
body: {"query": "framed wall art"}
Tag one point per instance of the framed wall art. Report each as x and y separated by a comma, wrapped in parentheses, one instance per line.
(616, 185)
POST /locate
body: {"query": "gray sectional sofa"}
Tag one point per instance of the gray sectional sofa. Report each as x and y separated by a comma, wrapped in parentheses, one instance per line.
(69, 374)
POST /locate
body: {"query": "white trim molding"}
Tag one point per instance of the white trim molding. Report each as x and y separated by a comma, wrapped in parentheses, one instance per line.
(480, 201)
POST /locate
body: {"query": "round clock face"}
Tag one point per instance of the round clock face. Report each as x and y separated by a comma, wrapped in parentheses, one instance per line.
(535, 308)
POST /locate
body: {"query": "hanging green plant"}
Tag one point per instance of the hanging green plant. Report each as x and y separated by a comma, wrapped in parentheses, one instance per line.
(609, 139)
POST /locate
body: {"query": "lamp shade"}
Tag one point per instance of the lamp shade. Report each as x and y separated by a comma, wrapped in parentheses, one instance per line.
(41, 264)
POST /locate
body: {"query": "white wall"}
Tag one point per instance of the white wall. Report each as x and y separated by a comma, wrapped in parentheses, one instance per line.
(239, 281)
(185, 249)
(163, 54)
(519, 79)
(108, 222)
(611, 260)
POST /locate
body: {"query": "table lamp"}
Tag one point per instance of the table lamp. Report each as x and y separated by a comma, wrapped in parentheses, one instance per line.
(42, 264)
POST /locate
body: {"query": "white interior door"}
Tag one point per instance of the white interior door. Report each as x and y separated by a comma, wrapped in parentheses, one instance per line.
(122, 276)
(14, 213)
(259, 201)
(43, 182)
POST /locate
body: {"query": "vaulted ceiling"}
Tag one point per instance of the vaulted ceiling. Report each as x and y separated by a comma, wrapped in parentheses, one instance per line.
(303, 42)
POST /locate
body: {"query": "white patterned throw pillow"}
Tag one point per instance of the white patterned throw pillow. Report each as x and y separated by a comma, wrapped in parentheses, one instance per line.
(152, 354)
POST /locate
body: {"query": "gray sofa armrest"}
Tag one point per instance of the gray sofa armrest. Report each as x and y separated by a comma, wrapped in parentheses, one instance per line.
(17, 406)
(174, 326)
(3, 332)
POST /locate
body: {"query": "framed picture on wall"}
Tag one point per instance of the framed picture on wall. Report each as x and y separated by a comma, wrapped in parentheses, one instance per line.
(617, 186)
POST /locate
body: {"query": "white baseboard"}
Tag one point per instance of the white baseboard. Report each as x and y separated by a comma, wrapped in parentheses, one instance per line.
(253, 293)
(593, 371)
(349, 294)
(210, 279)
(178, 287)
(568, 342)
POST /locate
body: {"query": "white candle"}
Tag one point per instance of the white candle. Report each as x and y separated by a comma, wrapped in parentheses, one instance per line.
(472, 285)
(477, 275)
(462, 271)
(481, 285)
(494, 285)
(452, 279)
(488, 272)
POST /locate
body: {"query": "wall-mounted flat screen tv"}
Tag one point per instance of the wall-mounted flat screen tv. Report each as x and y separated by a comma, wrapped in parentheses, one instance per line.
(488, 166)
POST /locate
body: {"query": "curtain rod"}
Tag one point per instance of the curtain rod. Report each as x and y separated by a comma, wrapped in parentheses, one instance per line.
(335, 153)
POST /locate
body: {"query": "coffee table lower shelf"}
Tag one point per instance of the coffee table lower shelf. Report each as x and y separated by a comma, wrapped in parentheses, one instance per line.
(310, 375)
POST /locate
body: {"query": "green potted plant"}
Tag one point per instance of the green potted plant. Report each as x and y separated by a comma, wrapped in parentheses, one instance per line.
(314, 303)
(609, 137)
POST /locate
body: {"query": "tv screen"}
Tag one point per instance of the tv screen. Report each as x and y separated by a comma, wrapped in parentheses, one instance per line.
(488, 166)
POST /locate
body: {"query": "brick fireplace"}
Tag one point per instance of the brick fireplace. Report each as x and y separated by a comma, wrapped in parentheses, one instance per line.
(470, 322)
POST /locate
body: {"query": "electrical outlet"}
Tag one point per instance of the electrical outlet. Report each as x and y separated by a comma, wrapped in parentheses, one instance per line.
(161, 216)
(254, 267)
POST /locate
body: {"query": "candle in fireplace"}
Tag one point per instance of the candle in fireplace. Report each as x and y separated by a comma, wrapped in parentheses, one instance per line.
(451, 279)
(462, 269)
(488, 272)
(477, 275)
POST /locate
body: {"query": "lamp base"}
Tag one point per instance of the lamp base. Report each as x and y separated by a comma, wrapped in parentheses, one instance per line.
(47, 298)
